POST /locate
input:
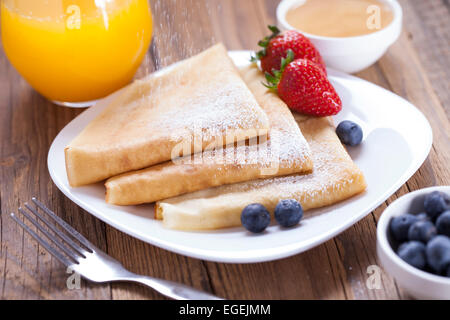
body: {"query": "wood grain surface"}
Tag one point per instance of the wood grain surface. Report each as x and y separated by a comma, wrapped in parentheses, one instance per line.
(417, 68)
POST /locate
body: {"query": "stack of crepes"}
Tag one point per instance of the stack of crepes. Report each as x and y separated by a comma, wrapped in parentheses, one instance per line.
(204, 140)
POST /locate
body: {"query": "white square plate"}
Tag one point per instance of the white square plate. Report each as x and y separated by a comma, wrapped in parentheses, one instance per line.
(397, 140)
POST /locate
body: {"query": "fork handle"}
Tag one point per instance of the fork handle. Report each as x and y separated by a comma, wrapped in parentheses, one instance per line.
(170, 289)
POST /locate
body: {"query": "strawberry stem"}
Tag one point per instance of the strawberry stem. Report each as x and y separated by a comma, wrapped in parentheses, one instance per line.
(285, 61)
(265, 43)
(274, 80)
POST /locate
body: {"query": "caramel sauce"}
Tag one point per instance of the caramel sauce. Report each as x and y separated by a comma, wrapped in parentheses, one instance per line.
(340, 18)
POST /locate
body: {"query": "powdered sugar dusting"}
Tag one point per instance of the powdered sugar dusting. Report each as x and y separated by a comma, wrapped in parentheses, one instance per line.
(212, 111)
(196, 94)
(329, 168)
(283, 148)
(334, 178)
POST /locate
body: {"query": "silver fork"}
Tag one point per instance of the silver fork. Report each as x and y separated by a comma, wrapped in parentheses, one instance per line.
(89, 261)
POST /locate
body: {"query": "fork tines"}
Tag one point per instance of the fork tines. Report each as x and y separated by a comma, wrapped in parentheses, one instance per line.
(69, 252)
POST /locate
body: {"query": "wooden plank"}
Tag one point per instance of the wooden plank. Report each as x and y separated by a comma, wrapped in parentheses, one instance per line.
(428, 33)
(145, 259)
(28, 125)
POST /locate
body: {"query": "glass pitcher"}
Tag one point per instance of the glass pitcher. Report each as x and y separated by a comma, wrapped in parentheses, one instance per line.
(74, 52)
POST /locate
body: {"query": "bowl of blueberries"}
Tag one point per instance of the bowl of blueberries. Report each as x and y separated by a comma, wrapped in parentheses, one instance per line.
(413, 242)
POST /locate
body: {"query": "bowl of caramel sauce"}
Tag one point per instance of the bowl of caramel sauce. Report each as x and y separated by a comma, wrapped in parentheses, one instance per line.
(351, 35)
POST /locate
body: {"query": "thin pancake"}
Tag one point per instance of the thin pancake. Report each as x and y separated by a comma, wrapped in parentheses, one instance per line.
(335, 178)
(286, 152)
(141, 127)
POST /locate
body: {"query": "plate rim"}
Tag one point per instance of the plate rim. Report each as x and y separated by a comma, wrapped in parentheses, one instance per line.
(252, 255)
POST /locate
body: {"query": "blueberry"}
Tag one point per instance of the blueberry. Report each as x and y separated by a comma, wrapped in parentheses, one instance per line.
(438, 253)
(288, 213)
(255, 218)
(435, 203)
(423, 216)
(443, 223)
(413, 252)
(399, 226)
(422, 231)
(349, 133)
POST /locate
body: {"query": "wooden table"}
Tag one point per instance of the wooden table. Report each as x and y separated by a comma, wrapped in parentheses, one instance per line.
(417, 68)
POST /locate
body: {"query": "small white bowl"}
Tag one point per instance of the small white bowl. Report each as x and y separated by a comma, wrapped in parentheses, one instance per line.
(351, 54)
(420, 284)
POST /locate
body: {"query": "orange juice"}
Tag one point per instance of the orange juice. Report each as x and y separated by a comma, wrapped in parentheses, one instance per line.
(340, 18)
(76, 50)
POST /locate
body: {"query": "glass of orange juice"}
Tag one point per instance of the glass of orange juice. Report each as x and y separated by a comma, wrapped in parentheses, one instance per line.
(74, 52)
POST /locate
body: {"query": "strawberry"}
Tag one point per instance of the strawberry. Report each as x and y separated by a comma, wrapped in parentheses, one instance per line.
(276, 45)
(304, 87)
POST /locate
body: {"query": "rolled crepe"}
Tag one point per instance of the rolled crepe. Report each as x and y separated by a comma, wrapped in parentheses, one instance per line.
(335, 178)
(140, 128)
(286, 152)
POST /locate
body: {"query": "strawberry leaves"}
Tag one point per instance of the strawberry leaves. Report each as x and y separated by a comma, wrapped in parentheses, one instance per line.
(265, 43)
(274, 79)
